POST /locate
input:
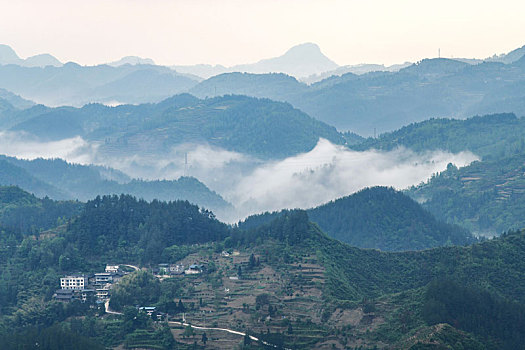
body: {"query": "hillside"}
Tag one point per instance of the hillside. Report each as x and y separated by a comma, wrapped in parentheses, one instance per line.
(385, 219)
(72, 84)
(277, 87)
(378, 218)
(299, 61)
(24, 213)
(490, 137)
(44, 176)
(485, 197)
(11, 174)
(385, 101)
(257, 127)
(287, 269)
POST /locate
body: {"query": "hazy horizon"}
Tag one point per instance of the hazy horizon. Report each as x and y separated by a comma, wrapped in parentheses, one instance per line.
(237, 32)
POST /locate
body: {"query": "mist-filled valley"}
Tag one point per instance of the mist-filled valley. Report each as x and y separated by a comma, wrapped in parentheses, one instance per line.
(251, 184)
(286, 202)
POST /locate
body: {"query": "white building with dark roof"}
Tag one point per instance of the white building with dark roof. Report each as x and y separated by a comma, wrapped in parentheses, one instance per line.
(74, 282)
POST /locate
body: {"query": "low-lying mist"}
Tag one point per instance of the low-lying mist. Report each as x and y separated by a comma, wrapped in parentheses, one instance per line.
(306, 180)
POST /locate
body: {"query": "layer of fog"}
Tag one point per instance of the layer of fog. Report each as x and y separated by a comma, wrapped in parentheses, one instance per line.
(325, 173)
(329, 172)
(25, 146)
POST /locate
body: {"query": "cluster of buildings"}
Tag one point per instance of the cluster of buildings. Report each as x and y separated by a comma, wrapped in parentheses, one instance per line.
(83, 287)
(173, 269)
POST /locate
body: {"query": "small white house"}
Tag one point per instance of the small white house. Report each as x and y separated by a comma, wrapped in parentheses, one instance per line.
(112, 268)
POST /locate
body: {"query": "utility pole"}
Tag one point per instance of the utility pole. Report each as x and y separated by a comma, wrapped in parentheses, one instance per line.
(186, 164)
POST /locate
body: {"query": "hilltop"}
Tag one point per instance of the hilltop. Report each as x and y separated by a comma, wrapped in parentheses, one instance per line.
(378, 218)
(258, 127)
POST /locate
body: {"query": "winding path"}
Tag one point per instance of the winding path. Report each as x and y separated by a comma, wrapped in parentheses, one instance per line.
(136, 268)
(224, 330)
(231, 331)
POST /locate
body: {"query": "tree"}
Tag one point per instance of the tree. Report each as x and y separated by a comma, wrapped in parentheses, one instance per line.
(247, 340)
(188, 332)
(180, 306)
(252, 262)
(204, 338)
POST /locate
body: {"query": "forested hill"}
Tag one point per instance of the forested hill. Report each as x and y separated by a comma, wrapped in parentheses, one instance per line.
(354, 273)
(380, 218)
(23, 213)
(258, 127)
(490, 137)
(10, 174)
(44, 177)
(479, 288)
(129, 229)
(485, 197)
(385, 219)
(386, 101)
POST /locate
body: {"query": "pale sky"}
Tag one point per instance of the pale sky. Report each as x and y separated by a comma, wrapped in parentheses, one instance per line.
(230, 32)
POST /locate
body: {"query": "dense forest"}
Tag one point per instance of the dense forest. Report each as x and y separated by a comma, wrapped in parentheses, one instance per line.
(127, 228)
(380, 218)
(385, 219)
(23, 213)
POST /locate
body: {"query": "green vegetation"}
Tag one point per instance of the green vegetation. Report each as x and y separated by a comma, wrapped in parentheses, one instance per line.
(124, 228)
(386, 101)
(378, 218)
(259, 127)
(312, 286)
(485, 197)
(22, 212)
(385, 219)
(477, 311)
(491, 137)
(50, 338)
(44, 176)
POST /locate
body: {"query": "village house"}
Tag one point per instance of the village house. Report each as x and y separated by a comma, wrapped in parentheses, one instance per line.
(112, 268)
(176, 269)
(74, 282)
(194, 269)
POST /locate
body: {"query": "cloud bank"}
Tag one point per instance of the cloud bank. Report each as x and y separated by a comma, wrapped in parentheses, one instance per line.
(329, 172)
(325, 173)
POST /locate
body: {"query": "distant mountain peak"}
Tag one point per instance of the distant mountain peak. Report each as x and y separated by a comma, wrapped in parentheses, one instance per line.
(42, 60)
(304, 48)
(8, 55)
(133, 60)
(299, 61)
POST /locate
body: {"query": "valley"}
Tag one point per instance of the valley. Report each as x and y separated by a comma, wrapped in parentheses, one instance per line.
(271, 197)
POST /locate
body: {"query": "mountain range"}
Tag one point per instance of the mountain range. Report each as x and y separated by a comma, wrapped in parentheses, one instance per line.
(9, 56)
(381, 100)
(385, 101)
(257, 127)
(58, 179)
